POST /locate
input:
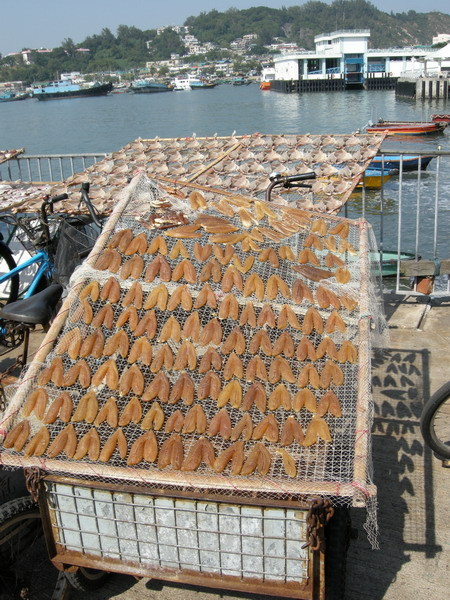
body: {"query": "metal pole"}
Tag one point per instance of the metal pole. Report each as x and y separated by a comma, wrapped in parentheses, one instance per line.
(419, 178)
(399, 228)
(382, 212)
(436, 207)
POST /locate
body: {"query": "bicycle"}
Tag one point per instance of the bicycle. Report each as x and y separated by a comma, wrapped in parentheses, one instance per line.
(34, 234)
(435, 424)
(54, 240)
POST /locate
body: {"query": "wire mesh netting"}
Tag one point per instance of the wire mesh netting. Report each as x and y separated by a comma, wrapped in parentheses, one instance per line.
(219, 346)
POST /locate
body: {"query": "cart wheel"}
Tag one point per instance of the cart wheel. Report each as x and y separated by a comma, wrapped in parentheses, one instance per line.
(84, 579)
(337, 541)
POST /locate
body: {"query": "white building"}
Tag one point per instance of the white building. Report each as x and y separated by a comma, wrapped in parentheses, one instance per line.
(345, 54)
(441, 37)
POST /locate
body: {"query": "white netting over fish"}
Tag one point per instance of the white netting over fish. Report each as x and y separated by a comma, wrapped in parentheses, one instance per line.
(219, 346)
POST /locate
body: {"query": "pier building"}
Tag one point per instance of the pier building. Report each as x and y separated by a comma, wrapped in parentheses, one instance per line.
(342, 60)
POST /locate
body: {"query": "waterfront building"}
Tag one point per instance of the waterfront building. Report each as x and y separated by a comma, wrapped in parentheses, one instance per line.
(345, 55)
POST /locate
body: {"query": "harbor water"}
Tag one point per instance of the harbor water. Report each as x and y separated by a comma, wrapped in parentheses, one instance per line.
(105, 124)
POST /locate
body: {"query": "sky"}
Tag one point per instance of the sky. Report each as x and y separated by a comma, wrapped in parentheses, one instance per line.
(47, 23)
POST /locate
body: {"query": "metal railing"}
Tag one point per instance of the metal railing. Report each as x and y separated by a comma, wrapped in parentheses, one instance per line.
(47, 167)
(410, 216)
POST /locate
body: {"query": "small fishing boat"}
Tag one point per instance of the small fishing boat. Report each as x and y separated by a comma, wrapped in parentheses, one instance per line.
(374, 179)
(56, 90)
(240, 81)
(441, 118)
(389, 260)
(201, 84)
(406, 127)
(264, 85)
(409, 162)
(13, 96)
(147, 86)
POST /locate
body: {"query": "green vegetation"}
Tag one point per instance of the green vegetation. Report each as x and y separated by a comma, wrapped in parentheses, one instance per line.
(130, 48)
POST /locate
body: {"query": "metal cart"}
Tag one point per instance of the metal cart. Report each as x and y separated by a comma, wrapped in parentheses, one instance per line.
(261, 533)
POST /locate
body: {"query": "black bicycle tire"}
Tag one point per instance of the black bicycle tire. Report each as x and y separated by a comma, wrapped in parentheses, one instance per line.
(26, 570)
(427, 417)
(13, 517)
(6, 255)
(86, 580)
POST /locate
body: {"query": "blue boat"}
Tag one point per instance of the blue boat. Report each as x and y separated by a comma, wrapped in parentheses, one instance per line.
(200, 84)
(410, 162)
(13, 96)
(56, 90)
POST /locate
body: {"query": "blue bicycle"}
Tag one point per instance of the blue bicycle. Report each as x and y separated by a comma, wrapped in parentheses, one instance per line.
(34, 233)
(42, 235)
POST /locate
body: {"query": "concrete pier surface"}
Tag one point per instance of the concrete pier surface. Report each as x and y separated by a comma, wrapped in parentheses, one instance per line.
(413, 487)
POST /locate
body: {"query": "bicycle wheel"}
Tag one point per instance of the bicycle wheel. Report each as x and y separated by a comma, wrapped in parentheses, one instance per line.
(435, 422)
(26, 569)
(10, 289)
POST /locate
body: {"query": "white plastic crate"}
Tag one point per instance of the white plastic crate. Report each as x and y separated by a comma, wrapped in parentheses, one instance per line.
(154, 532)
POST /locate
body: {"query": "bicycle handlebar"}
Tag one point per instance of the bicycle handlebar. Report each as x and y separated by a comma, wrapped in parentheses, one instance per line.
(288, 181)
(49, 202)
(91, 208)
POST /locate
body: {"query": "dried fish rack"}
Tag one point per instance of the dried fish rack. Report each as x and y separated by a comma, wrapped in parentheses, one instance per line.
(204, 525)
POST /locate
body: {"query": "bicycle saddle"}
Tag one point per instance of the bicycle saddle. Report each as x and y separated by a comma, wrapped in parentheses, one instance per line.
(37, 309)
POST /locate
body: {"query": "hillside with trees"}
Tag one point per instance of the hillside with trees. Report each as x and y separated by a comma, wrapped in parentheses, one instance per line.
(301, 23)
(130, 48)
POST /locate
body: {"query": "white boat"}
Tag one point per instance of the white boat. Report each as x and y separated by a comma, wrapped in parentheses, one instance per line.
(184, 83)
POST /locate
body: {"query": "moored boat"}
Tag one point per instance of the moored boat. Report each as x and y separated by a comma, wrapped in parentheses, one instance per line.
(146, 86)
(409, 162)
(201, 85)
(11, 96)
(406, 127)
(183, 83)
(389, 260)
(441, 118)
(267, 75)
(56, 90)
(240, 81)
(374, 179)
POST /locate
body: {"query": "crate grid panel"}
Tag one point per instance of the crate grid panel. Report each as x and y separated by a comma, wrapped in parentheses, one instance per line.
(223, 539)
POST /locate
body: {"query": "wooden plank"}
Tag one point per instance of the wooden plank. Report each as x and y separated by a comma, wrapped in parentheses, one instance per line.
(6, 155)
(412, 268)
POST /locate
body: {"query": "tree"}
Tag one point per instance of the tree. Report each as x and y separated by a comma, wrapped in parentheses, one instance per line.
(163, 71)
(69, 47)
